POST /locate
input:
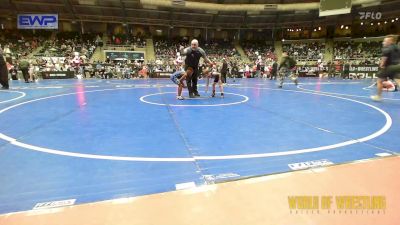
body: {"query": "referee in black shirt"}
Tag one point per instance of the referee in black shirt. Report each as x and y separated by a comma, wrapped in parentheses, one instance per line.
(193, 55)
(3, 72)
(224, 70)
(389, 64)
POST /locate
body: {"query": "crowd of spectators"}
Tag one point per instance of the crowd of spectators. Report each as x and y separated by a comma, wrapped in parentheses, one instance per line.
(66, 51)
(169, 59)
(255, 49)
(362, 52)
(16, 44)
(69, 51)
(306, 50)
(166, 52)
(127, 40)
(67, 44)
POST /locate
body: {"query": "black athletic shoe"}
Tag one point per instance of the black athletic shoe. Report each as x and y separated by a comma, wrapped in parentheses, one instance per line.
(222, 95)
(5, 88)
(196, 95)
(213, 95)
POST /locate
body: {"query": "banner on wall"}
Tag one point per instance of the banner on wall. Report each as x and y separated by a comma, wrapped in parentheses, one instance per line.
(37, 21)
(58, 74)
(124, 55)
(364, 71)
(361, 71)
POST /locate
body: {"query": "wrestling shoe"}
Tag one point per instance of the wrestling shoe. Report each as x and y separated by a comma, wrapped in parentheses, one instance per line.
(376, 98)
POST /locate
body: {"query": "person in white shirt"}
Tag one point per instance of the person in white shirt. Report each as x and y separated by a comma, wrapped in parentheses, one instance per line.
(247, 71)
(6, 51)
(31, 71)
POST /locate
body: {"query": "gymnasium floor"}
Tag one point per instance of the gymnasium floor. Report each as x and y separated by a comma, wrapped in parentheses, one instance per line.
(94, 140)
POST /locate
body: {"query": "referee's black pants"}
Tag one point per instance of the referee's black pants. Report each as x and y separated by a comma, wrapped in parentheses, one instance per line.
(192, 81)
(223, 77)
(25, 73)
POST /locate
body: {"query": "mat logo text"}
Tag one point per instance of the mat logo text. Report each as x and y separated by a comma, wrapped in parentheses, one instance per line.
(309, 164)
(47, 205)
(351, 202)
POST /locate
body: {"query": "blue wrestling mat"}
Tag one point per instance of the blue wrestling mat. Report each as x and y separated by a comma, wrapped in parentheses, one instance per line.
(93, 140)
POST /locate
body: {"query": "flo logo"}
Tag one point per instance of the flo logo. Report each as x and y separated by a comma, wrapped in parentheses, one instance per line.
(370, 15)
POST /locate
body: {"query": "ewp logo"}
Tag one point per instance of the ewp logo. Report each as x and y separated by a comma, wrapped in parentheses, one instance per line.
(372, 15)
(38, 21)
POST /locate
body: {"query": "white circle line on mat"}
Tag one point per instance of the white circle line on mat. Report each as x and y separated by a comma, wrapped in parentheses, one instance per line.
(142, 99)
(381, 131)
(23, 94)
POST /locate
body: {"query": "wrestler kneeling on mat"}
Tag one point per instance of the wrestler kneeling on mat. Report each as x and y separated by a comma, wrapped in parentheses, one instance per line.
(207, 73)
(389, 86)
(178, 78)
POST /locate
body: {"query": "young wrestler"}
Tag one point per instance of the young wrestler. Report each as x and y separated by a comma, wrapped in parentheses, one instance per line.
(285, 69)
(207, 73)
(389, 86)
(178, 77)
